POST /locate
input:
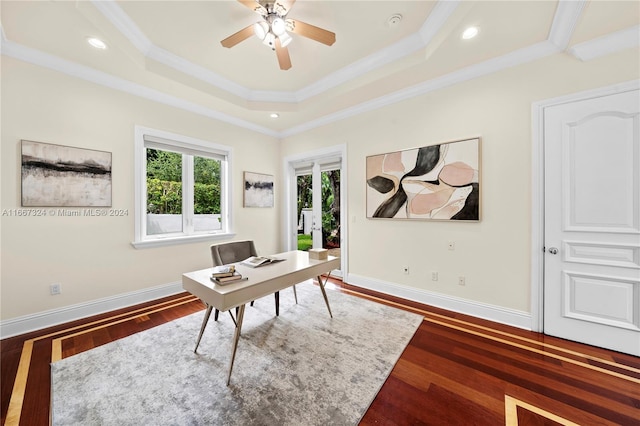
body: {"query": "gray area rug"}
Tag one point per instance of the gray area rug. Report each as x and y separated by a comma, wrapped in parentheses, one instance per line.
(301, 368)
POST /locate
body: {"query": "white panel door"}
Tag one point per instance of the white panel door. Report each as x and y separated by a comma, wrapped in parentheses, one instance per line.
(592, 221)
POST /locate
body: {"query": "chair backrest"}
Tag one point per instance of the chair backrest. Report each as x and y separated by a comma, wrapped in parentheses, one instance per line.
(235, 251)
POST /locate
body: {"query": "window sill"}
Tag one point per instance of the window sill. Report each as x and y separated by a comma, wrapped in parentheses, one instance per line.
(171, 241)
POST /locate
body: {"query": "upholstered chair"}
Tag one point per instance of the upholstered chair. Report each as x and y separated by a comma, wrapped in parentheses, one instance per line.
(232, 252)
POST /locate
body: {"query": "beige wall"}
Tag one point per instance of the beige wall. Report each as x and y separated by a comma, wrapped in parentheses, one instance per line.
(92, 256)
(494, 255)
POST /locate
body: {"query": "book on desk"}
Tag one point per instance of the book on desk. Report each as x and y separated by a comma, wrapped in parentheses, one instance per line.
(255, 261)
(223, 271)
(227, 279)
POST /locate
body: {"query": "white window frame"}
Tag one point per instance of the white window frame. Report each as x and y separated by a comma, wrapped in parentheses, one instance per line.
(151, 138)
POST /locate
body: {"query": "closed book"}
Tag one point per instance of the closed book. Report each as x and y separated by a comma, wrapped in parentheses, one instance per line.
(225, 280)
(223, 271)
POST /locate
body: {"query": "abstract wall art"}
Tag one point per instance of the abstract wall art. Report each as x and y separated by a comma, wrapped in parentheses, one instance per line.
(437, 182)
(56, 175)
(258, 190)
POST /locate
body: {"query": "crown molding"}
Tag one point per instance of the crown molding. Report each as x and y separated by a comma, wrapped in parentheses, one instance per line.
(605, 45)
(92, 75)
(561, 29)
(358, 68)
(436, 19)
(518, 57)
(564, 22)
(179, 63)
(124, 24)
(441, 12)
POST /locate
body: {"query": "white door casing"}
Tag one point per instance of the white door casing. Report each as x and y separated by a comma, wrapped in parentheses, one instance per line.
(592, 221)
(330, 158)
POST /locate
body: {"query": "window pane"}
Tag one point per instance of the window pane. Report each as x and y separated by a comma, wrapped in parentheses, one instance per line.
(164, 192)
(206, 194)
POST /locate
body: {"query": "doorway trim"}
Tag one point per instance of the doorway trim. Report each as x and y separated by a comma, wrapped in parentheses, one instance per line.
(290, 220)
(537, 188)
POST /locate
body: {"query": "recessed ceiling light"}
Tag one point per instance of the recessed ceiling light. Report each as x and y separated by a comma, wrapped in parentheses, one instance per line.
(469, 33)
(274, 115)
(97, 43)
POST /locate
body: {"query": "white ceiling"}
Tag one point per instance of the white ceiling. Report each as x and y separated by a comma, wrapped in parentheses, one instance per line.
(170, 51)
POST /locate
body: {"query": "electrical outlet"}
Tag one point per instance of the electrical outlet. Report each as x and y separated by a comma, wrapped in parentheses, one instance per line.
(55, 289)
(452, 245)
(405, 269)
(461, 280)
(434, 276)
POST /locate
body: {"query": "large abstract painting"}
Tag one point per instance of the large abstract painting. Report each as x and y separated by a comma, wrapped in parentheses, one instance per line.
(258, 190)
(56, 175)
(438, 182)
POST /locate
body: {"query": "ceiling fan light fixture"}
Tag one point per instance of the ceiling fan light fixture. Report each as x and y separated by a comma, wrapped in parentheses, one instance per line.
(261, 29)
(278, 26)
(285, 39)
(269, 40)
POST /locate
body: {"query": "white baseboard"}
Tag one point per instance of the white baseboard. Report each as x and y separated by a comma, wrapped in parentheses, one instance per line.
(28, 323)
(40, 320)
(498, 314)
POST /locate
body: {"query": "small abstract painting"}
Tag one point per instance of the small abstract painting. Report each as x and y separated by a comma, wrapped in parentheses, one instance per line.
(56, 176)
(258, 190)
(438, 182)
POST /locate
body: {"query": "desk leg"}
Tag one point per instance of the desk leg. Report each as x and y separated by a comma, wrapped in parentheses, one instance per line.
(324, 293)
(236, 337)
(205, 320)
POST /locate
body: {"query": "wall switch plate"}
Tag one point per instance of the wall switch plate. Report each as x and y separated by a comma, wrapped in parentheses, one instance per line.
(405, 269)
(434, 276)
(55, 289)
(452, 245)
(461, 280)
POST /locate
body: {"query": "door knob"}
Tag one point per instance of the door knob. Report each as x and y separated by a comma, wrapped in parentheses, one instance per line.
(553, 250)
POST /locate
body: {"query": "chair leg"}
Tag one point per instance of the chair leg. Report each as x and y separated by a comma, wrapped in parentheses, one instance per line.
(295, 294)
(277, 295)
(232, 318)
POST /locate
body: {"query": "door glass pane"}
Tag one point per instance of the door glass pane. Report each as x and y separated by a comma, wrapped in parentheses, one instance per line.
(305, 212)
(206, 194)
(164, 192)
(331, 211)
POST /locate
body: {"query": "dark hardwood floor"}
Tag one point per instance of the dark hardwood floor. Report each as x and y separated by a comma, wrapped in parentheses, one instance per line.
(457, 370)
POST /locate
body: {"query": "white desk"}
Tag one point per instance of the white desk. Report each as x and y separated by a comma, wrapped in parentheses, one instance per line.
(262, 281)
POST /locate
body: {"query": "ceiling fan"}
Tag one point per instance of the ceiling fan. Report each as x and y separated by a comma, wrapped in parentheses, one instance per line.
(273, 30)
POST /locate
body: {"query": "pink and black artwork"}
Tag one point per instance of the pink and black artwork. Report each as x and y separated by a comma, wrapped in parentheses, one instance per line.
(438, 182)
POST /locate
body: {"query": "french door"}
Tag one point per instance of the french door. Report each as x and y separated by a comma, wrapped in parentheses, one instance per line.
(316, 198)
(592, 221)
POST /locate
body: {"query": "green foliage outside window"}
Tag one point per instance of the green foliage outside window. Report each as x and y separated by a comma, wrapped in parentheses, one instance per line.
(164, 197)
(164, 183)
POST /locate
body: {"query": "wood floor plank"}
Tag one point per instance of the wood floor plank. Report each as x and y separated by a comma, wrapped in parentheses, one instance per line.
(456, 370)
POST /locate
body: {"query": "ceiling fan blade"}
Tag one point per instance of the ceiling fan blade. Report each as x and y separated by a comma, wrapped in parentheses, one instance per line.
(311, 31)
(283, 56)
(236, 38)
(255, 6)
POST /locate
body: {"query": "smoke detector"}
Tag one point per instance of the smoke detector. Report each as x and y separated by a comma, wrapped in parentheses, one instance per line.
(394, 20)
